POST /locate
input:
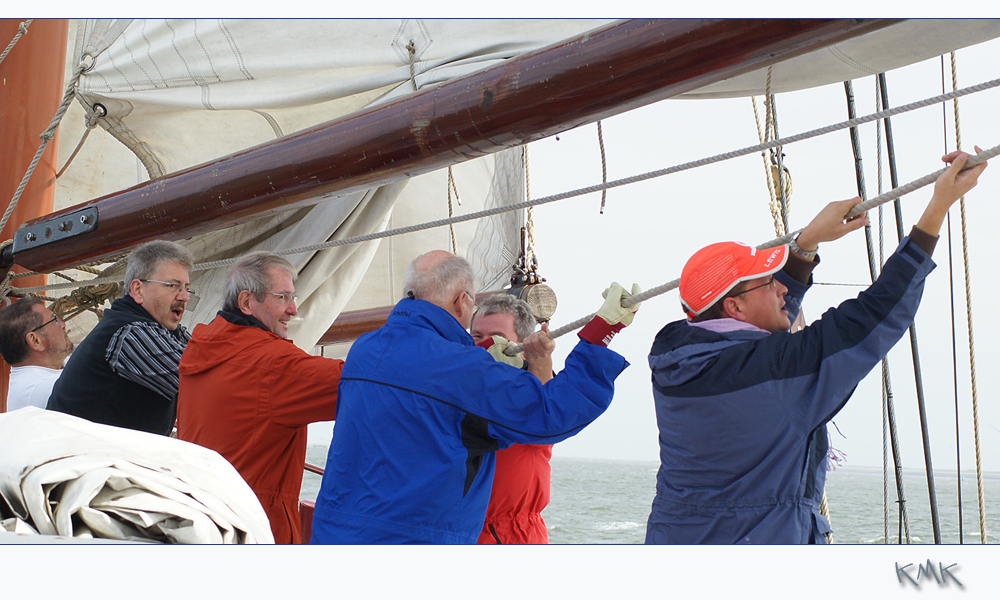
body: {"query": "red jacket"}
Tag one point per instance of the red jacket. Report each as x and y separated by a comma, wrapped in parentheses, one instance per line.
(520, 492)
(250, 395)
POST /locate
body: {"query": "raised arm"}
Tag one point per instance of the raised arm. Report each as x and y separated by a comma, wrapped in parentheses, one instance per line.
(949, 187)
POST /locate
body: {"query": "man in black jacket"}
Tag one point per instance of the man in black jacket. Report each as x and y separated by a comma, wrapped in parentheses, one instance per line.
(125, 372)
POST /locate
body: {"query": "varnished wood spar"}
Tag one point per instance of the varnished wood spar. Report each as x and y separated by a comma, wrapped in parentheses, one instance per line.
(349, 325)
(595, 75)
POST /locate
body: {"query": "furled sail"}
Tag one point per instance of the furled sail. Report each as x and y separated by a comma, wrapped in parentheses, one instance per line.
(61, 475)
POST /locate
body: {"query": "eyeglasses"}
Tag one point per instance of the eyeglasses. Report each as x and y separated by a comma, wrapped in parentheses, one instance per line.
(469, 294)
(173, 287)
(285, 297)
(54, 318)
(769, 282)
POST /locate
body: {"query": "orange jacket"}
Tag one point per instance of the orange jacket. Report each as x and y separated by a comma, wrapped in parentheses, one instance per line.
(520, 492)
(250, 395)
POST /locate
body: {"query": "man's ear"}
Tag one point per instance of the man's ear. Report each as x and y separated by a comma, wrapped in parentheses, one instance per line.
(731, 308)
(34, 341)
(135, 290)
(243, 302)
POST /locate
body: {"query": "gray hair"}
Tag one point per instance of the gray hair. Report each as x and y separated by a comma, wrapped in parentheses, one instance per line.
(142, 261)
(249, 273)
(524, 319)
(439, 282)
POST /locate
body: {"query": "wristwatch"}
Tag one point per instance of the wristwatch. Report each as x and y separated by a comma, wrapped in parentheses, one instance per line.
(794, 247)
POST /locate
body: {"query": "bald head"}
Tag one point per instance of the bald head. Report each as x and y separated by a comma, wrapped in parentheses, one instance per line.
(444, 280)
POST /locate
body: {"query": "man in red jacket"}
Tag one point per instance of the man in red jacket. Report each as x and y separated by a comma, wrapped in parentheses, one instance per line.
(522, 476)
(247, 392)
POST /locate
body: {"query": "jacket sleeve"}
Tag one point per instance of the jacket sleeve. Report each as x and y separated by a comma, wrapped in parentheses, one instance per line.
(304, 387)
(521, 410)
(816, 370)
(147, 354)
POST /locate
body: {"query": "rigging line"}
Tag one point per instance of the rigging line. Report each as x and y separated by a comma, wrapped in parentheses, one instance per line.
(451, 210)
(914, 350)
(91, 119)
(779, 204)
(659, 173)
(529, 219)
(629, 180)
(873, 270)
(886, 397)
(22, 28)
(635, 178)
(968, 306)
(604, 165)
(772, 205)
(858, 209)
(650, 293)
(46, 135)
(904, 518)
(954, 333)
(779, 157)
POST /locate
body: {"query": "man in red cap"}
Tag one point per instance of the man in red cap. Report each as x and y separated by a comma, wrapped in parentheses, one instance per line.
(742, 404)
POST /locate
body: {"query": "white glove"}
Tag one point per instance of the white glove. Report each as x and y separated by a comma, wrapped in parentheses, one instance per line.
(612, 317)
(496, 345)
(612, 310)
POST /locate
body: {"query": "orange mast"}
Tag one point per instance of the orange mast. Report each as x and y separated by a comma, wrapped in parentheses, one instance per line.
(31, 79)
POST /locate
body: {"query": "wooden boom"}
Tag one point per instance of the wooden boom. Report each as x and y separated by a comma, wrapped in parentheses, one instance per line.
(590, 77)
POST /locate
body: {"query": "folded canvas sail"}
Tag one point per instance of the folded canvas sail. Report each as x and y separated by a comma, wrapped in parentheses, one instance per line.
(65, 476)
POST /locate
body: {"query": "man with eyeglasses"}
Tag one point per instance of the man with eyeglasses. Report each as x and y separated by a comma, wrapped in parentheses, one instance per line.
(34, 343)
(249, 393)
(742, 403)
(124, 373)
(421, 412)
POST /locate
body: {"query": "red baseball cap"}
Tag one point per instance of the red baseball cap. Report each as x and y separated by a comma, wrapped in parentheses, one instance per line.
(712, 271)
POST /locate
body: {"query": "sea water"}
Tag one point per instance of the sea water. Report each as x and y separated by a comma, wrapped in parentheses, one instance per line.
(608, 501)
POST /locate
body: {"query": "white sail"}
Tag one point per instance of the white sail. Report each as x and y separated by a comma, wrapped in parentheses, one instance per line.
(182, 92)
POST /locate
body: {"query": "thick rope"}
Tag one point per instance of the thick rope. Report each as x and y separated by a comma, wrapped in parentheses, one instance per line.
(633, 179)
(857, 210)
(22, 28)
(46, 135)
(968, 308)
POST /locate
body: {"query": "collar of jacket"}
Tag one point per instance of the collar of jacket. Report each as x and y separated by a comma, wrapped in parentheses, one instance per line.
(127, 304)
(243, 320)
(414, 312)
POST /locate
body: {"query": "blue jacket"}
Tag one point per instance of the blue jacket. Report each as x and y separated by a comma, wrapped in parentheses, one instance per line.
(742, 415)
(420, 413)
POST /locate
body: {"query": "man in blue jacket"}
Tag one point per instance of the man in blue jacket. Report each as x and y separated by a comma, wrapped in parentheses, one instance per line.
(742, 404)
(421, 411)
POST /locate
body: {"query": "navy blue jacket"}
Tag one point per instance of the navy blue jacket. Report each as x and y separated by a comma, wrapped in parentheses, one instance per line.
(742, 415)
(421, 411)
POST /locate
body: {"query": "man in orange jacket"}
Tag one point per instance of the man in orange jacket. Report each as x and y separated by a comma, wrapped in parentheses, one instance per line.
(247, 392)
(522, 476)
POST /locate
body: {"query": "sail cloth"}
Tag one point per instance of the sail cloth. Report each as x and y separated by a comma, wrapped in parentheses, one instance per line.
(182, 92)
(901, 44)
(61, 475)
